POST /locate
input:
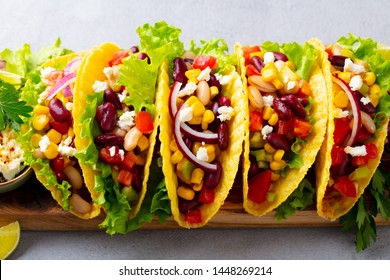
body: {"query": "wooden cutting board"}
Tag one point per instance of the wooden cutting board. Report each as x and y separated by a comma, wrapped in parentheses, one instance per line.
(34, 208)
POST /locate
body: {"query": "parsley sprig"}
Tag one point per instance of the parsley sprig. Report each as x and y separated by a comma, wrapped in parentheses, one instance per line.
(361, 217)
(11, 108)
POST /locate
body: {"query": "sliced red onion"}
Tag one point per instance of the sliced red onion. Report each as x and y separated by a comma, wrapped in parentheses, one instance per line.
(208, 167)
(72, 66)
(172, 99)
(61, 84)
(67, 91)
(355, 109)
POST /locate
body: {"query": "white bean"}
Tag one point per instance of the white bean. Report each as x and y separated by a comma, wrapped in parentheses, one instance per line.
(131, 138)
(203, 92)
(367, 122)
(74, 176)
(255, 97)
(79, 204)
(257, 81)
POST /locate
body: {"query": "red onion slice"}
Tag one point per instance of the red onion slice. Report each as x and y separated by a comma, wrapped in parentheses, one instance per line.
(72, 66)
(172, 99)
(355, 109)
(208, 167)
(67, 91)
(61, 84)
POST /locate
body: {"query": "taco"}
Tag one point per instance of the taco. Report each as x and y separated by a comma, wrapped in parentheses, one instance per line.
(201, 132)
(285, 95)
(357, 79)
(48, 142)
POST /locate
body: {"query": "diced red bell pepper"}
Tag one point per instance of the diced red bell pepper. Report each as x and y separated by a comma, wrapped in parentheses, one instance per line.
(128, 161)
(338, 155)
(341, 131)
(105, 155)
(251, 70)
(372, 151)
(144, 122)
(360, 160)
(203, 61)
(363, 134)
(345, 186)
(193, 216)
(301, 128)
(255, 121)
(207, 196)
(247, 52)
(125, 177)
(118, 56)
(259, 185)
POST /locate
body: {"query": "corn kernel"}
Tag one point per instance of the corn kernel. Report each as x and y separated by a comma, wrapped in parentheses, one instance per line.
(143, 143)
(273, 120)
(277, 165)
(40, 122)
(70, 132)
(198, 109)
(269, 149)
(213, 91)
(193, 80)
(176, 157)
(374, 89)
(256, 141)
(278, 83)
(185, 193)
(275, 177)
(41, 110)
(279, 155)
(195, 147)
(210, 152)
(208, 117)
(35, 139)
(290, 65)
(369, 78)
(195, 120)
(197, 187)
(194, 73)
(269, 72)
(54, 136)
(259, 54)
(345, 76)
(267, 113)
(374, 99)
(51, 151)
(341, 99)
(173, 146)
(197, 176)
(191, 100)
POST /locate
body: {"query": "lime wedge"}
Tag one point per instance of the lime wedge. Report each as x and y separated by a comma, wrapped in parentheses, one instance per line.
(9, 239)
(10, 77)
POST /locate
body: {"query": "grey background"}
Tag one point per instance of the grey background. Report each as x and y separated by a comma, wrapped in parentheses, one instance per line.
(82, 24)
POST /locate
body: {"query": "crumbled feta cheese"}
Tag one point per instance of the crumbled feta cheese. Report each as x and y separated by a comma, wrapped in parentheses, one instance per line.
(122, 153)
(186, 114)
(202, 155)
(291, 85)
(44, 143)
(204, 75)
(11, 155)
(267, 129)
(108, 71)
(356, 151)
(42, 97)
(122, 96)
(45, 72)
(68, 141)
(99, 86)
(111, 72)
(188, 89)
(339, 113)
(112, 151)
(268, 100)
(356, 82)
(126, 121)
(225, 113)
(349, 66)
(69, 106)
(223, 79)
(65, 150)
(269, 57)
(365, 100)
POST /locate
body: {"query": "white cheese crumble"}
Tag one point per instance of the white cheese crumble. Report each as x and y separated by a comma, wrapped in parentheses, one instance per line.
(42, 96)
(45, 72)
(356, 151)
(112, 151)
(122, 153)
(69, 106)
(188, 89)
(44, 143)
(11, 155)
(186, 114)
(99, 86)
(223, 79)
(365, 100)
(269, 57)
(204, 75)
(268, 100)
(65, 150)
(126, 121)
(349, 66)
(108, 71)
(225, 113)
(356, 82)
(291, 85)
(122, 96)
(338, 113)
(267, 129)
(202, 155)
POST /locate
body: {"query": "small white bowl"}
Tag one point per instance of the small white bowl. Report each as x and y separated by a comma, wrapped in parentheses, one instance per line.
(18, 181)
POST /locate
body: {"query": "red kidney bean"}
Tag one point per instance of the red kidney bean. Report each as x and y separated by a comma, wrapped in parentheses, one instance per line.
(283, 111)
(344, 168)
(224, 101)
(186, 205)
(211, 180)
(134, 49)
(57, 164)
(179, 70)
(294, 104)
(368, 108)
(214, 82)
(143, 56)
(337, 60)
(257, 62)
(60, 127)
(279, 141)
(254, 167)
(188, 142)
(58, 111)
(61, 177)
(223, 136)
(108, 119)
(189, 60)
(111, 96)
(213, 126)
(108, 140)
(137, 178)
(303, 99)
(99, 113)
(280, 56)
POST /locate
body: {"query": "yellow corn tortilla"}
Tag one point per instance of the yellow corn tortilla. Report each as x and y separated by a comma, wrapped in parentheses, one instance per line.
(284, 186)
(56, 193)
(229, 158)
(326, 208)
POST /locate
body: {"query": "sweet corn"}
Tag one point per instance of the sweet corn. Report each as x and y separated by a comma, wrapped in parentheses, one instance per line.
(290, 65)
(273, 120)
(345, 76)
(269, 149)
(35, 139)
(193, 80)
(40, 122)
(278, 83)
(277, 165)
(70, 132)
(369, 78)
(256, 141)
(374, 89)
(51, 151)
(267, 113)
(208, 117)
(185, 193)
(41, 110)
(269, 72)
(195, 147)
(191, 100)
(143, 143)
(198, 109)
(259, 54)
(279, 155)
(194, 73)
(195, 120)
(213, 92)
(173, 146)
(341, 99)
(197, 176)
(275, 177)
(54, 136)
(210, 152)
(374, 99)
(197, 187)
(176, 157)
